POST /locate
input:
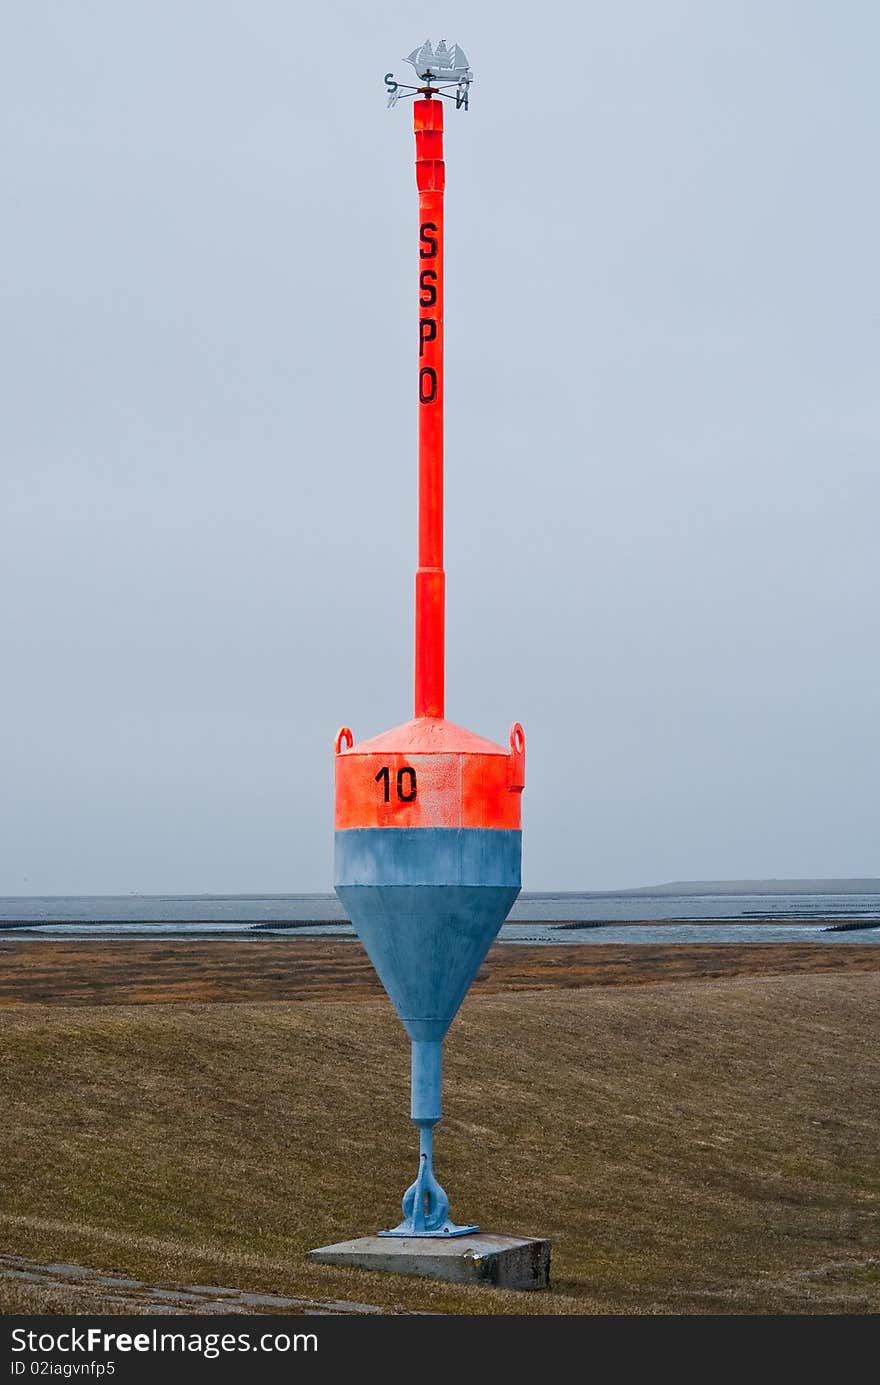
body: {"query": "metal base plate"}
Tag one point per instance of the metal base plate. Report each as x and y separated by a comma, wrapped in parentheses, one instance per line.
(443, 1234)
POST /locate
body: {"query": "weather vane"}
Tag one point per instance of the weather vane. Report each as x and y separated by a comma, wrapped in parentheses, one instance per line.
(438, 69)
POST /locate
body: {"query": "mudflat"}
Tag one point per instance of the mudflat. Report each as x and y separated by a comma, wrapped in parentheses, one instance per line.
(307, 968)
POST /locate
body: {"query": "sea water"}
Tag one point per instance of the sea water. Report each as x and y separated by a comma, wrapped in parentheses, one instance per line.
(609, 918)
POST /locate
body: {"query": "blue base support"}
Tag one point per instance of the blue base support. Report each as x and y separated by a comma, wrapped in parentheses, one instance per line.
(425, 1204)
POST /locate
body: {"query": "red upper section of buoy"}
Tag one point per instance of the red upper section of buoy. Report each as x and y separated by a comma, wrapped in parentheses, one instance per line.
(429, 773)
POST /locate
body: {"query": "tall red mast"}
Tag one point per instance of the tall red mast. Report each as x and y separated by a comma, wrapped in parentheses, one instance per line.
(430, 646)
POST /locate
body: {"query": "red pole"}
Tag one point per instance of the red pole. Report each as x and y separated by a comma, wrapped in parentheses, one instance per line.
(430, 578)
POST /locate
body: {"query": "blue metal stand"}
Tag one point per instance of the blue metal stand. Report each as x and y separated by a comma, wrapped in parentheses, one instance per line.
(425, 1204)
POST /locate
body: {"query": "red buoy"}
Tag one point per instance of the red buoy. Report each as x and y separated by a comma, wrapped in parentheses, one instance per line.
(428, 839)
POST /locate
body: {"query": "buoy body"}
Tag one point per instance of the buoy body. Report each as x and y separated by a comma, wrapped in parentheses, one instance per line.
(427, 858)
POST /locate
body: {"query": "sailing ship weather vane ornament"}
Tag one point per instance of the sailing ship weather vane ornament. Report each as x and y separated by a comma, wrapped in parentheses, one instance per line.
(438, 69)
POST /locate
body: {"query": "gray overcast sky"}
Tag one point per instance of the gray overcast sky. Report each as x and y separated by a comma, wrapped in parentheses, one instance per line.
(663, 462)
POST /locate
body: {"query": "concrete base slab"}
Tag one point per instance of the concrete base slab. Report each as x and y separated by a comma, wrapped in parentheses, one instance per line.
(508, 1262)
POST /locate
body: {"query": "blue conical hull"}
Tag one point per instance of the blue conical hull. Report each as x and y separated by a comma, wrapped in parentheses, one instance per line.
(427, 903)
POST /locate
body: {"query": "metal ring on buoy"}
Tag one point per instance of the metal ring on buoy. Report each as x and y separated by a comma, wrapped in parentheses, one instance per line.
(516, 761)
(343, 735)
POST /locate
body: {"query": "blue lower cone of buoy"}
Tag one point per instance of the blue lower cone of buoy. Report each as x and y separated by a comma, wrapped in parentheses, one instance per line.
(427, 903)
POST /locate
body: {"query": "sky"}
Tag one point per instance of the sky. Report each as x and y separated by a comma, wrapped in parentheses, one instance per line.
(663, 432)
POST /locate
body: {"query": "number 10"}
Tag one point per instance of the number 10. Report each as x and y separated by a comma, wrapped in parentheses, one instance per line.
(406, 773)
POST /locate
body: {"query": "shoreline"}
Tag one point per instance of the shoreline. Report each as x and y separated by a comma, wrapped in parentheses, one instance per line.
(683, 932)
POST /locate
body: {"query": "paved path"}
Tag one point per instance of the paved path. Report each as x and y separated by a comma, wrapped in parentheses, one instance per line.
(135, 1296)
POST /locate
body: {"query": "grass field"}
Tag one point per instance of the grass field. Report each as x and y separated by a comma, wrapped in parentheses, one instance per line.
(703, 1143)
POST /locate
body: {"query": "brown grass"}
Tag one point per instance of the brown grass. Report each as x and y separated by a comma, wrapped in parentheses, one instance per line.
(703, 1145)
(138, 972)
